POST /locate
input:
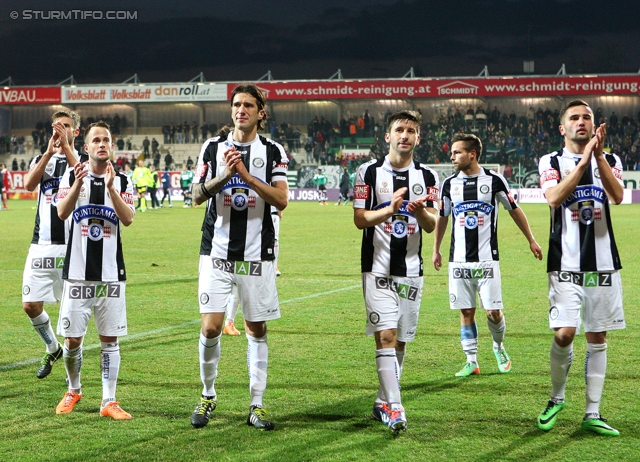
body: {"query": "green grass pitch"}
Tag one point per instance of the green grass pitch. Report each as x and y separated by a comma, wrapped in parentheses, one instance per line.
(322, 378)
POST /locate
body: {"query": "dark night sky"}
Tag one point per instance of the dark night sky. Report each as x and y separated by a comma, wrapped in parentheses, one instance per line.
(173, 41)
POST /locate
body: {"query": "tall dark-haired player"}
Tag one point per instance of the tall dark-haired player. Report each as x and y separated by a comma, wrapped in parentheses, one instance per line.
(241, 175)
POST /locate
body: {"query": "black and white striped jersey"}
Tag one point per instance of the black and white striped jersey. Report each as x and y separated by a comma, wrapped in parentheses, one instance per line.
(243, 230)
(208, 223)
(94, 252)
(581, 236)
(393, 248)
(473, 203)
(48, 228)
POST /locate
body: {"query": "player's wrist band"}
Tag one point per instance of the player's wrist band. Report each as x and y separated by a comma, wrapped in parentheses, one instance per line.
(205, 192)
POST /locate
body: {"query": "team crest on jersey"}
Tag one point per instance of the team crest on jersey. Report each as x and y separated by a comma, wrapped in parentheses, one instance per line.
(596, 172)
(258, 162)
(452, 298)
(587, 213)
(204, 298)
(26, 290)
(66, 323)
(95, 231)
(239, 199)
(484, 189)
(553, 313)
(374, 318)
(399, 228)
(417, 189)
(471, 220)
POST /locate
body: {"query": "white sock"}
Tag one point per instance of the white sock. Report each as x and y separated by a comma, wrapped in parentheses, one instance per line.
(42, 325)
(73, 364)
(276, 251)
(560, 360)
(400, 359)
(110, 365)
(595, 369)
(388, 368)
(209, 349)
(470, 349)
(232, 305)
(497, 332)
(469, 341)
(381, 398)
(257, 359)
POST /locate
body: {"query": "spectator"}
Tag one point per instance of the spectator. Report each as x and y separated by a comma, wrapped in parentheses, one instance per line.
(168, 160)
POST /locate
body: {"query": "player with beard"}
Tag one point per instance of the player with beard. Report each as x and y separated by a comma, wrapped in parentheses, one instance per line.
(583, 265)
(395, 198)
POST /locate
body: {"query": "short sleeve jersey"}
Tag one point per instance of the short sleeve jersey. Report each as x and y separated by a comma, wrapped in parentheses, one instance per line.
(94, 252)
(48, 228)
(473, 202)
(581, 237)
(393, 248)
(242, 226)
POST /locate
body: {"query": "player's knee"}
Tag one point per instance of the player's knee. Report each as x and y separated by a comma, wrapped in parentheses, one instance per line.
(468, 315)
(387, 339)
(256, 329)
(211, 331)
(495, 316)
(73, 342)
(33, 309)
(564, 336)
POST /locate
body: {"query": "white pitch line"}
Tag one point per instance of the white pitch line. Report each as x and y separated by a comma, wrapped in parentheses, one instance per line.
(128, 338)
(291, 300)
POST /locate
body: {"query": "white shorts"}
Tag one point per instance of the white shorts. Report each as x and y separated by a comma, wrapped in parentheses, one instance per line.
(256, 283)
(42, 276)
(392, 303)
(599, 295)
(105, 299)
(468, 279)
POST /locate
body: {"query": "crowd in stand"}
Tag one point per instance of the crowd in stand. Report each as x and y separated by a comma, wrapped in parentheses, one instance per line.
(185, 132)
(43, 130)
(508, 139)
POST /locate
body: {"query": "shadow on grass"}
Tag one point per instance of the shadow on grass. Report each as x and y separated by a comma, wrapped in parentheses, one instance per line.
(531, 446)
